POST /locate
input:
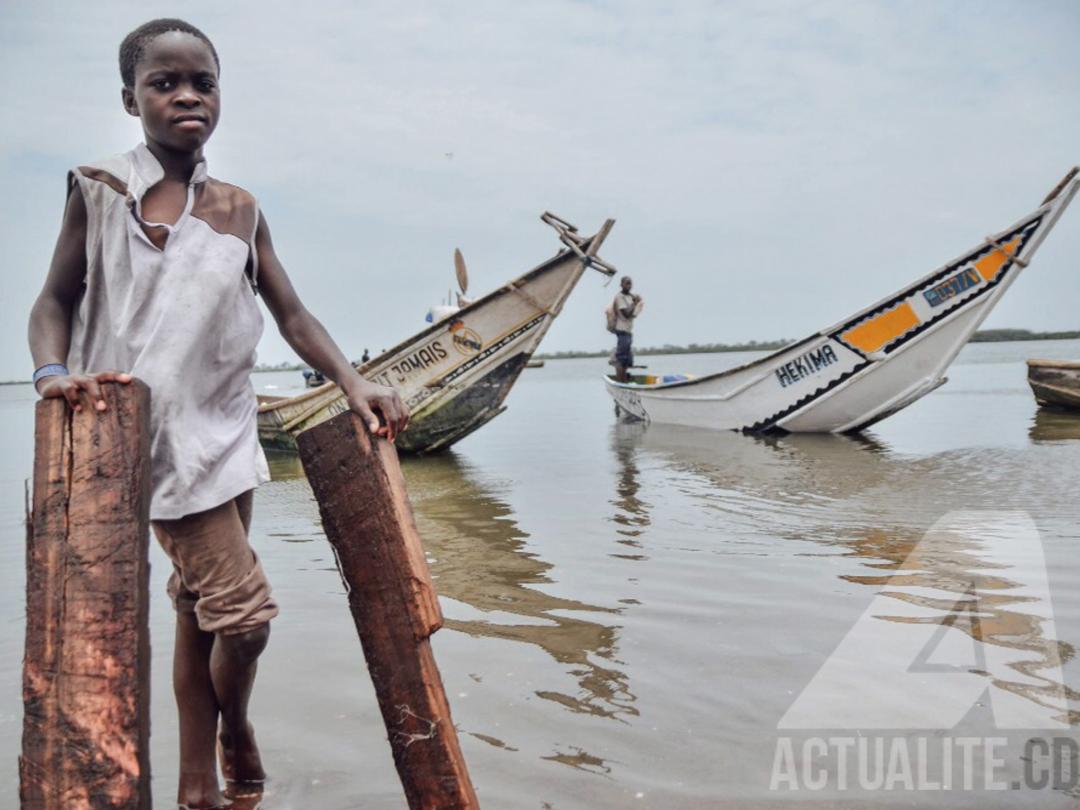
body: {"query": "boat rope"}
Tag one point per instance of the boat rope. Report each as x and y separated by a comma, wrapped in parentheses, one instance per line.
(1010, 255)
(530, 298)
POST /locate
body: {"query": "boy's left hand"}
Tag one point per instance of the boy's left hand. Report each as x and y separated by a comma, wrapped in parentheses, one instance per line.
(366, 398)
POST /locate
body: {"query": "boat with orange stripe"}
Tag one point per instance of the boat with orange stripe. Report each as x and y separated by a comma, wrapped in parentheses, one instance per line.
(865, 368)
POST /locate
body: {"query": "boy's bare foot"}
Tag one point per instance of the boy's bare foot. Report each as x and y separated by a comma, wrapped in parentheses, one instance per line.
(245, 795)
(240, 760)
(201, 794)
(252, 802)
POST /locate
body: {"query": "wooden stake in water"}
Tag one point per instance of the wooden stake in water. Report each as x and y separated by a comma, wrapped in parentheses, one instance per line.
(86, 672)
(368, 520)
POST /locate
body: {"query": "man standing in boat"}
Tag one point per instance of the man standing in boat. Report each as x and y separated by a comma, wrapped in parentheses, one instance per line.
(626, 307)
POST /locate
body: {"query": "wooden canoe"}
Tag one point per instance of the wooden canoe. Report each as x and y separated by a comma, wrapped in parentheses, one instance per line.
(455, 374)
(866, 367)
(1056, 383)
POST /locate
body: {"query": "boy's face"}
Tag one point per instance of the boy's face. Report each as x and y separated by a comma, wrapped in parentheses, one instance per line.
(176, 92)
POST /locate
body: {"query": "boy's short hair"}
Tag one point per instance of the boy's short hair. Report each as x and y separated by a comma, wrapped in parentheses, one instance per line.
(131, 49)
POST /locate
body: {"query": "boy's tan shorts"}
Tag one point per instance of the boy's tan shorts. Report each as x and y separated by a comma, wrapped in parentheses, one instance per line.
(216, 573)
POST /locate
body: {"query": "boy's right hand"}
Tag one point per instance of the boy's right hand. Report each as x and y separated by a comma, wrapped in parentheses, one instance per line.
(365, 397)
(70, 386)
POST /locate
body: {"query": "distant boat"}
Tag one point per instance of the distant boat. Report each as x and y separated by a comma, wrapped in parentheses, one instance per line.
(313, 378)
(535, 364)
(865, 368)
(455, 374)
(1055, 383)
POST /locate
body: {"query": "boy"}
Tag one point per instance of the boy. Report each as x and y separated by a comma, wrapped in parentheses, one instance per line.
(155, 272)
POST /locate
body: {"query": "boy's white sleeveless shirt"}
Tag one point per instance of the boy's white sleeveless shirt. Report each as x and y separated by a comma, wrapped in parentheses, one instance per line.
(183, 319)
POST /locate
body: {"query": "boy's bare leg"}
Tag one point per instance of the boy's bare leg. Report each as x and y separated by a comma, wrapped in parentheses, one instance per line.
(198, 707)
(233, 664)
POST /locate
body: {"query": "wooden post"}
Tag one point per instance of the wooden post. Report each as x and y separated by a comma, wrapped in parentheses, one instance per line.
(368, 520)
(86, 672)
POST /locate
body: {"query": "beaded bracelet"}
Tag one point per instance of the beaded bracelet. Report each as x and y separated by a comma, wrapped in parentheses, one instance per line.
(50, 370)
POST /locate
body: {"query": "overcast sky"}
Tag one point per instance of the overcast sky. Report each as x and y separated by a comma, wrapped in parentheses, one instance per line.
(773, 166)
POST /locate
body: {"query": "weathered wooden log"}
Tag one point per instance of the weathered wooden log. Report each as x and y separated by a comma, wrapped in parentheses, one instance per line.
(86, 672)
(368, 520)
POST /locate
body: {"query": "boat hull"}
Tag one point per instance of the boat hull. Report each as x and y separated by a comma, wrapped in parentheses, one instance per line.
(1055, 383)
(455, 374)
(861, 370)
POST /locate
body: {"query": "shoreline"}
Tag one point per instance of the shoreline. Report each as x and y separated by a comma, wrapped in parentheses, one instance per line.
(985, 336)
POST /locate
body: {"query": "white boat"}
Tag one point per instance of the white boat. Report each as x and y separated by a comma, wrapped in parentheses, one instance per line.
(866, 367)
(455, 374)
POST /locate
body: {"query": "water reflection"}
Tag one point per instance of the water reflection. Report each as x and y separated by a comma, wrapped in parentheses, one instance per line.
(581, 760)
(631, 512)
(964, 583)
(1054, 425)
(858, 497)
(480, 556)
(284, 466)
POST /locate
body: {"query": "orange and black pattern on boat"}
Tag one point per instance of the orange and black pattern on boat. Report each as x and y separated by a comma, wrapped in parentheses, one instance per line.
(896, 321)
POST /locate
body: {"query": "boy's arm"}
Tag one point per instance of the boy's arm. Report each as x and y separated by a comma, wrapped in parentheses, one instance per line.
(312, 342)
(50, 317)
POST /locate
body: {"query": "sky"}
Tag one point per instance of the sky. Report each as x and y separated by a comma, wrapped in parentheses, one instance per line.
(772, 166)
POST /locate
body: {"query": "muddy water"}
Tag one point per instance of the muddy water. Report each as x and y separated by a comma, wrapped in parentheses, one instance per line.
(636, 616)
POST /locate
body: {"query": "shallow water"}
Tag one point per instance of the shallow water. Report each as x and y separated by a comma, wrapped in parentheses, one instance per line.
(632, 612)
